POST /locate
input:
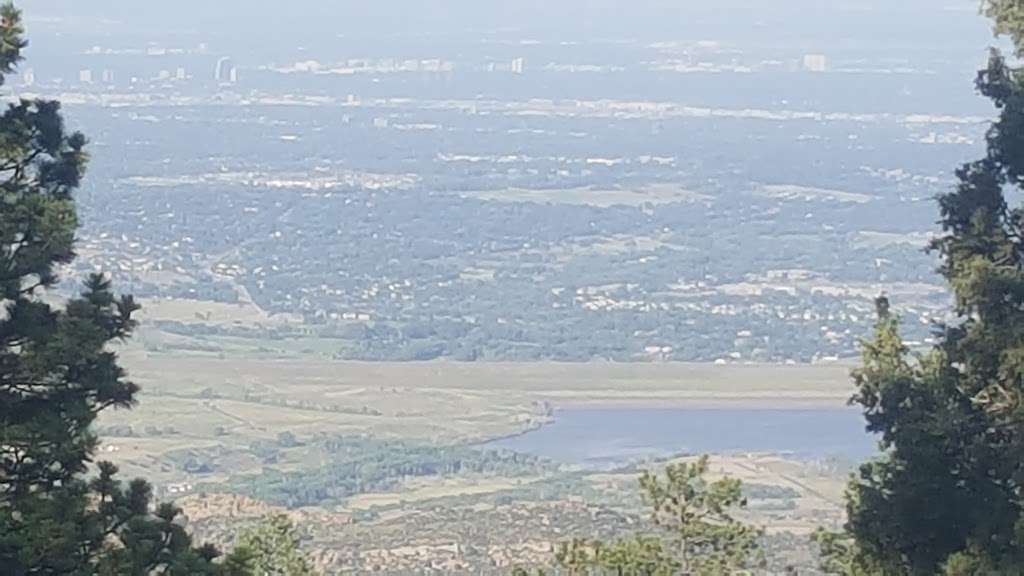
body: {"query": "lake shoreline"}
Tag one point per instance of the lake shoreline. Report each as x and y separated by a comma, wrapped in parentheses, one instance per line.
(615, 434)
(707, 402)
(703, 404)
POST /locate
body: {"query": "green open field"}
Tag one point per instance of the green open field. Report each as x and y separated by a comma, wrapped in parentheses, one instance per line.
(198, 401)
(235, 425)
(234, 436)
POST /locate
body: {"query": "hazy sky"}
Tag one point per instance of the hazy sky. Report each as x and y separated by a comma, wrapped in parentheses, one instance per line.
(577, 19)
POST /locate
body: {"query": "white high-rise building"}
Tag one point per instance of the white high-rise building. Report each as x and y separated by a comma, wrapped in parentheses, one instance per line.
(85, 76)
(225, 71)
(108, 76)
(518, 65)
(29, 77)
(180, 74)
(815, 63)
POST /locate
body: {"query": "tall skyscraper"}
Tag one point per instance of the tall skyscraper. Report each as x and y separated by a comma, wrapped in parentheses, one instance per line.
(225, 72)
(108, 76)
(29, 77)
(518, 65)
(85, 76)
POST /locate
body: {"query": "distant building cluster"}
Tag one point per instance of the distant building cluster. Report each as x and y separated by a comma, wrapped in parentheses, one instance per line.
(516, 66)
(108, 77)
(105, 70)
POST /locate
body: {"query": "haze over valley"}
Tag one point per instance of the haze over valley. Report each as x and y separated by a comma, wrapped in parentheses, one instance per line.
(493, 193)
(438, 281)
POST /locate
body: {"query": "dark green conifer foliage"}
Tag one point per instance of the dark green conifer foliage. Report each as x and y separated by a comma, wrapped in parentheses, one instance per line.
(697, 533)
(946, 496)
(270, 548)
(57, 372)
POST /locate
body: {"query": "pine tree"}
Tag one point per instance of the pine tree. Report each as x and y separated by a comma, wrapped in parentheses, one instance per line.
(1008, 17)
(946, 496)
(697, 534)
(270, 549)
(697, 517)
(57, 372)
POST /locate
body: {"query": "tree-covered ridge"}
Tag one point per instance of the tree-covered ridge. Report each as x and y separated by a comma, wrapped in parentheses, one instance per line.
(356, 466)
